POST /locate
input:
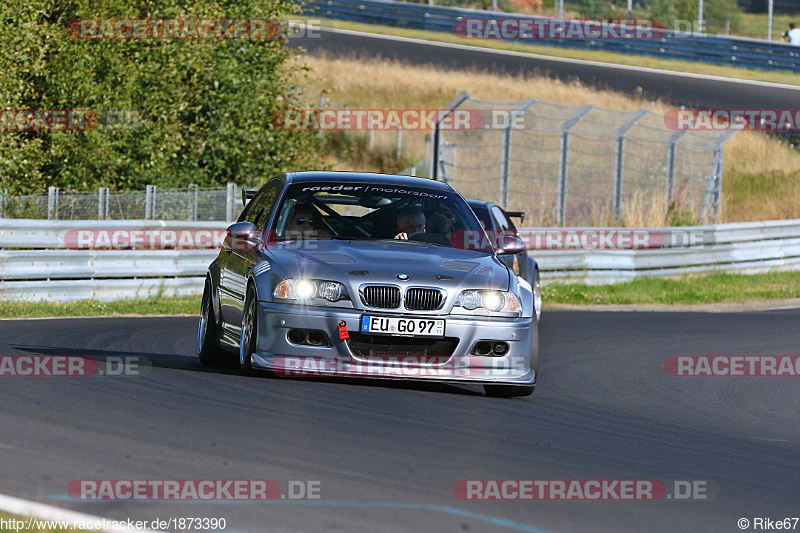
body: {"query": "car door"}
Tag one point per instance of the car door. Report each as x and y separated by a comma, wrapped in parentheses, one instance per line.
(240, 259)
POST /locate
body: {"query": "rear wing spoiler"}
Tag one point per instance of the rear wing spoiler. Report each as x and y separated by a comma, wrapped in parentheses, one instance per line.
(247, 195)
(516, 214)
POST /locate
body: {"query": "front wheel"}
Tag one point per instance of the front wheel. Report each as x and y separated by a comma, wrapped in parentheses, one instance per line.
(247, 344)
(508, 391)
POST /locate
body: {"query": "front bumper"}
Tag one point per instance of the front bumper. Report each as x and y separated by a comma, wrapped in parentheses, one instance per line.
(274, 351)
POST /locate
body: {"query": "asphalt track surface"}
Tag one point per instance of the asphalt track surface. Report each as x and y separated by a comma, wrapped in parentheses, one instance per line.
(387, 456)
(676, 88)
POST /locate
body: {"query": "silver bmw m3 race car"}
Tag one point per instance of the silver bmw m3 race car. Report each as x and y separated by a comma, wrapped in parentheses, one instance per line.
(370, 275)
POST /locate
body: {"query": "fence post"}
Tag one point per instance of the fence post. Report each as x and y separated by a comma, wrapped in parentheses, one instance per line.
(150, 203)
(321, 107)
(505, 151)
(230, 208)
(349, 125)
(399, 140)
(707, 197)
(193, 198)
(3, 202)
(371, 131)
(413, 170)
(717, 169)
(618, 159)
(673, 143)
(563, 159)
(102, 203)
(52, 203)
(437, 137)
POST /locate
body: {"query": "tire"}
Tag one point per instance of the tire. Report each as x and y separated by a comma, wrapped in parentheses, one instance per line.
(508, 391)
(247, 343)
(208, 349)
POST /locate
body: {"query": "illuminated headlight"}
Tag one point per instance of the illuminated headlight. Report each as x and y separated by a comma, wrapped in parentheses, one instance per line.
(494, 301)
(306, 289)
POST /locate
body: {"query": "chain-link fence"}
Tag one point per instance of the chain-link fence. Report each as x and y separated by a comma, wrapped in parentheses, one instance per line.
(190, 203)
(582, 165)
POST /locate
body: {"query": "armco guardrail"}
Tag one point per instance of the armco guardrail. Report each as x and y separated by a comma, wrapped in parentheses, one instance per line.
(38, 267)
(35, 263)
(705, 48)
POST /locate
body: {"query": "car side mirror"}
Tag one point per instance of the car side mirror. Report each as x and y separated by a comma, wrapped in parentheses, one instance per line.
(242, 236)
(510, 244)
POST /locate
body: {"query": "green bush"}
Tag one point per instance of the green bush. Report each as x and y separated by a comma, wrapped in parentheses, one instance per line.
(715, 13)
(206, 104)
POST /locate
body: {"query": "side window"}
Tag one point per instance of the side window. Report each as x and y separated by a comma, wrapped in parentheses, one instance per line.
(257, 211)
(483, 216)
(503, 223)
(265, 205)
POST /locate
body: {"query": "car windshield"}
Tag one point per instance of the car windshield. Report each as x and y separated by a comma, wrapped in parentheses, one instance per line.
(375, 211)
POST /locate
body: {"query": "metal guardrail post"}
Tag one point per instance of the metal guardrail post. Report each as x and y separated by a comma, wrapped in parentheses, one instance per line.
(52, 203)
(505, 153)
(618, 158)
(230, 208)
(563, 159)
(670, 185)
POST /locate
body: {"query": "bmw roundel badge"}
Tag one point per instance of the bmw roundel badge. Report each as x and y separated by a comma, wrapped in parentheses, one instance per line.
(402, 277)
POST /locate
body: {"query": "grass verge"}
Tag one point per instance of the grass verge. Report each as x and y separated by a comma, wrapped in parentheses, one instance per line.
(188, 305)
(687, 290)
(718, 287)
(569, 53)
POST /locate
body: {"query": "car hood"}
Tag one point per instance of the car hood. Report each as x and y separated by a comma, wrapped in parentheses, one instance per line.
(357, 262)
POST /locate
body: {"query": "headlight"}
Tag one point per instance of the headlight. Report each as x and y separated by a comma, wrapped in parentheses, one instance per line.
(493, 301)
(308, 289)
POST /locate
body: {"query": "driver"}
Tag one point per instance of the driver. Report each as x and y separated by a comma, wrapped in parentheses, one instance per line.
(409, 223)
(305, 224)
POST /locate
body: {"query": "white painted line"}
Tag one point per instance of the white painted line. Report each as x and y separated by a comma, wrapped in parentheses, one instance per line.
(30, 509)
(559, 59)
(779, 308)
(133, 315)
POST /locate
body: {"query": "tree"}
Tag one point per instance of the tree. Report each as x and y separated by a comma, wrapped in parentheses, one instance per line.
(195, 111)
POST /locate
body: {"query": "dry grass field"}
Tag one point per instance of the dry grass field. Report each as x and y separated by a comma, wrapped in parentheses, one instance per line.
(761, 174)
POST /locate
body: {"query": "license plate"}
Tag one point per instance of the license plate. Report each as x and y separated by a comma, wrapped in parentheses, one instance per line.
(389, 325)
